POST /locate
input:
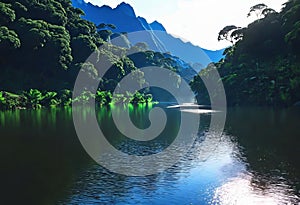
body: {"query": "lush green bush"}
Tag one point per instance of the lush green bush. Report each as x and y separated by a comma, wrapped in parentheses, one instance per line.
(36, 99)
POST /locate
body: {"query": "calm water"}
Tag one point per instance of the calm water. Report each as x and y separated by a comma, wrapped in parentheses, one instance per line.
(256, 161)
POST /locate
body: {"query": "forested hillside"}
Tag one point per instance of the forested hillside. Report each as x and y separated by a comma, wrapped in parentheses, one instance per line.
(44, 43)
(263, 66)
(41, 42)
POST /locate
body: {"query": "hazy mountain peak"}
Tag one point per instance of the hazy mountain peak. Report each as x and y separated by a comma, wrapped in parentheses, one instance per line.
(155, 25)
(126, 9)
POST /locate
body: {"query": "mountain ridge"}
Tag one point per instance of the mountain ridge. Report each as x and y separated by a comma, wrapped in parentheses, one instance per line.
(156, 36)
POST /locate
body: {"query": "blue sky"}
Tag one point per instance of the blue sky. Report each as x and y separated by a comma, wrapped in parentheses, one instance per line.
(197, 21)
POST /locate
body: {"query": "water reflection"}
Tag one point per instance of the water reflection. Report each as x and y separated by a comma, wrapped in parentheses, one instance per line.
(190, 181)
(268, 143)
(254, 162)
(215, 172)
(244, 190)
(39, 154)
(140, 118)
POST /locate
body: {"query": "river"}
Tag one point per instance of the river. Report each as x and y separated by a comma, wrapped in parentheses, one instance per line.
(255, 161)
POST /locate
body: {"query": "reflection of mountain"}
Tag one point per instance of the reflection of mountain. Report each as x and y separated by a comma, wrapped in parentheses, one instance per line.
(125, 19)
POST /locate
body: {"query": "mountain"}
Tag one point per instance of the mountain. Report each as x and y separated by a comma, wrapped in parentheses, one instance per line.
(157, 26)
(154, 34)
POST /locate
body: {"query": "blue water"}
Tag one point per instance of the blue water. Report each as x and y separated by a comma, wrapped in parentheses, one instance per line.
(255, 161)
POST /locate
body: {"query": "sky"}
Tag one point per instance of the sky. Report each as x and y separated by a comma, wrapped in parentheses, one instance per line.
(197, 21)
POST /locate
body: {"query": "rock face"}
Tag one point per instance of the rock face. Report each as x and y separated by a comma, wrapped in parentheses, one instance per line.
(154, 34)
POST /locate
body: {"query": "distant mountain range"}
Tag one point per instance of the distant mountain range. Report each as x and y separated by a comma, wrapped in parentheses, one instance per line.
(154, 34)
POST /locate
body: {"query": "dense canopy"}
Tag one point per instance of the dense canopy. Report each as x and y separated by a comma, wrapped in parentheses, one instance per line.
(262, 67)
(45, 43)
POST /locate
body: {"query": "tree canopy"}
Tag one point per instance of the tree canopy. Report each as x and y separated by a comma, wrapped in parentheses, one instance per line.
(262, 67)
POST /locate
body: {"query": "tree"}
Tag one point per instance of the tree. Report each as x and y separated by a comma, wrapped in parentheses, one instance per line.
(7, 14)
(230, 33)
(105, 34)
(260, 10)
(8, 38)
(257, 9)
(237, 34)
(291, 23)
(293, 37)
(263, 67)
(268, 11)
(104, 30)
(102, 26)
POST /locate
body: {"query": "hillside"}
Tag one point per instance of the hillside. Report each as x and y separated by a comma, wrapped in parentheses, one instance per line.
(45, 43)
(262, 67)
(31, 30)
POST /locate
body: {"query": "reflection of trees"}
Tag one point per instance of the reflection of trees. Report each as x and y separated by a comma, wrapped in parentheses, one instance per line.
(258, 135)
(98, 185)
(140, 118)
(268, 138)
(37, 160)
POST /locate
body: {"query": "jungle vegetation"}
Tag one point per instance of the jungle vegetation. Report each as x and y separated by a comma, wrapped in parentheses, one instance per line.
(44, 44)
(262, 67)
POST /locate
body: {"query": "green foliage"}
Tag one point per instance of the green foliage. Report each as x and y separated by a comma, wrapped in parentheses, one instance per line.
(85, 98)
(257, 9)
(2, 100)
(105, 26)
(82, 45)
(262, 67)
(90, 70)
(294, 34)
(8, 100)
(32, 98)
(7, 14)
(50, 99)
(268, 11)
(103, 97)
(104, 30)
(8, 38)
(36, 99)
(43, 37)
(48, 37)
(138, 98)
(65, 97)
(105, 34)
(290, 18)
(45, 43)
(230, 33)
(19, 8)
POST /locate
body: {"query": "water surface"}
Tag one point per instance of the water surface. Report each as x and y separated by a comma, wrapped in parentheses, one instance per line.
(255, 161)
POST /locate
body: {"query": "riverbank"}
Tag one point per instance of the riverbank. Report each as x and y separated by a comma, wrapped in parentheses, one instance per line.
(36, 99)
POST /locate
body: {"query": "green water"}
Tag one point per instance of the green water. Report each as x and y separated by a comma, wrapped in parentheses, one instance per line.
(256, 161)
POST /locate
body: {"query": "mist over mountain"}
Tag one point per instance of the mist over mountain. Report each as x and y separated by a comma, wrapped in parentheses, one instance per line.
(154, 34)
